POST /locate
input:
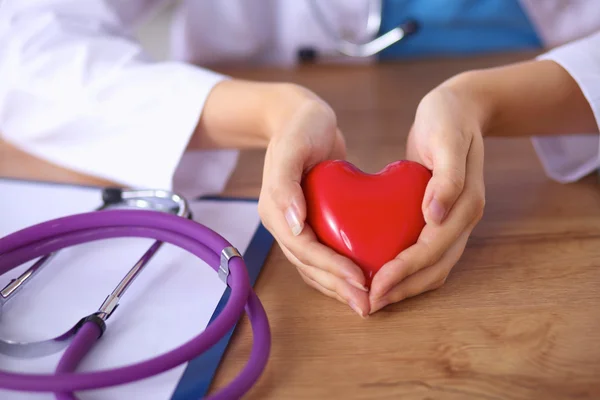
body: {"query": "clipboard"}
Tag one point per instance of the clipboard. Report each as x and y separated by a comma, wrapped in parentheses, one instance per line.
(198, 374)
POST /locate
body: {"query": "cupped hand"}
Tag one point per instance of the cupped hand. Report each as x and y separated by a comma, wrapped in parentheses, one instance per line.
(446, 137)
(306, 133)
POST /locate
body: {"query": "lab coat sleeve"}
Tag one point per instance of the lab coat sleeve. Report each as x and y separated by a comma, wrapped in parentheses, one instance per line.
(558, 22)
(79, 91)
(568, 158)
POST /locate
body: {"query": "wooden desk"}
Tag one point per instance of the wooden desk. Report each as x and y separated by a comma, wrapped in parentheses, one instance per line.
(517, 319)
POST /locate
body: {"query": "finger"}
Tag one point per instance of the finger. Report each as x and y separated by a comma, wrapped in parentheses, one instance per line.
(332, 286)
(429, 249)
(449, 162)
(362, 312)
(434, 240)
(289, 155)
(308, 250)
(355, 298)
(281, 194)
(317, 286)
(428, 279)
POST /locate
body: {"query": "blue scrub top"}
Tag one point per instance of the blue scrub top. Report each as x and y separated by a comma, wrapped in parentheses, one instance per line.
(458, 27)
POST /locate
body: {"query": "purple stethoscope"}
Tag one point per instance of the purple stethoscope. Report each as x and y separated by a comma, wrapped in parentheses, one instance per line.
(130, 213)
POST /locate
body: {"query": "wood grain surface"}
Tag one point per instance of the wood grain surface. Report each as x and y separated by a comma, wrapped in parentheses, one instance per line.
(518, 317)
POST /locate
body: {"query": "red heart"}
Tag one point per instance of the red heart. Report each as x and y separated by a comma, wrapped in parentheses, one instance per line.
(369, 218)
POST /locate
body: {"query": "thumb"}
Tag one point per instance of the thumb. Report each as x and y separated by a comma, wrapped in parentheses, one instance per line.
(447, 183)
(283, 177)
(287, 180)
(293, 206)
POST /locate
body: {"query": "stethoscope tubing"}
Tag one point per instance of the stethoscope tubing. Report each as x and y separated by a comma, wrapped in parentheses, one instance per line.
(55, 235)
(82, 344)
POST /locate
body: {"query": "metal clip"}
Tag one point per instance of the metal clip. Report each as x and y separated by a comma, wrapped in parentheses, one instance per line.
(16, 284)
(227, 254)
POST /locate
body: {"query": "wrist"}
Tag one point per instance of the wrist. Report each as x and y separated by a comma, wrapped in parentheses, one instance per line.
(246, 114)
(537, 97)
(287, 103)
(471, 90)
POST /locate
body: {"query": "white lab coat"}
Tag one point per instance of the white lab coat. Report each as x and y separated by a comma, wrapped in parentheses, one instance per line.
(79, 90)
(571, 157)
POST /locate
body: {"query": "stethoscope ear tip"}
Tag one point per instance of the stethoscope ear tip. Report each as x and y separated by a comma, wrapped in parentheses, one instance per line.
(409, 27)
(307, 55)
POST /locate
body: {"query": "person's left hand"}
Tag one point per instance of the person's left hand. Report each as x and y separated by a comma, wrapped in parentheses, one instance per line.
(447, 139)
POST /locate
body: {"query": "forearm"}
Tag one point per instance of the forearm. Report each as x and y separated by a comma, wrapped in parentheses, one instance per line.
(526, 99)
(244, 114)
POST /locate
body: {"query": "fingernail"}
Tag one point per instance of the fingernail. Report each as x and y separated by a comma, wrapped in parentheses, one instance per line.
(357, 309)
(293, 220)
(436, 211)
(357, 285)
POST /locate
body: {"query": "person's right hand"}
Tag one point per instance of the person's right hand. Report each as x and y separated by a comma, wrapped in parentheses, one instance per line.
(447, 139)
(304, 133)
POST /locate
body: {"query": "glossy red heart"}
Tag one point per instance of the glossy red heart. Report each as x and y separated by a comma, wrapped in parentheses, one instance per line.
(369, 218)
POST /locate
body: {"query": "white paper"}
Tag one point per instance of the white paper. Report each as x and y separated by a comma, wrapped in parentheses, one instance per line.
(169, 303)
